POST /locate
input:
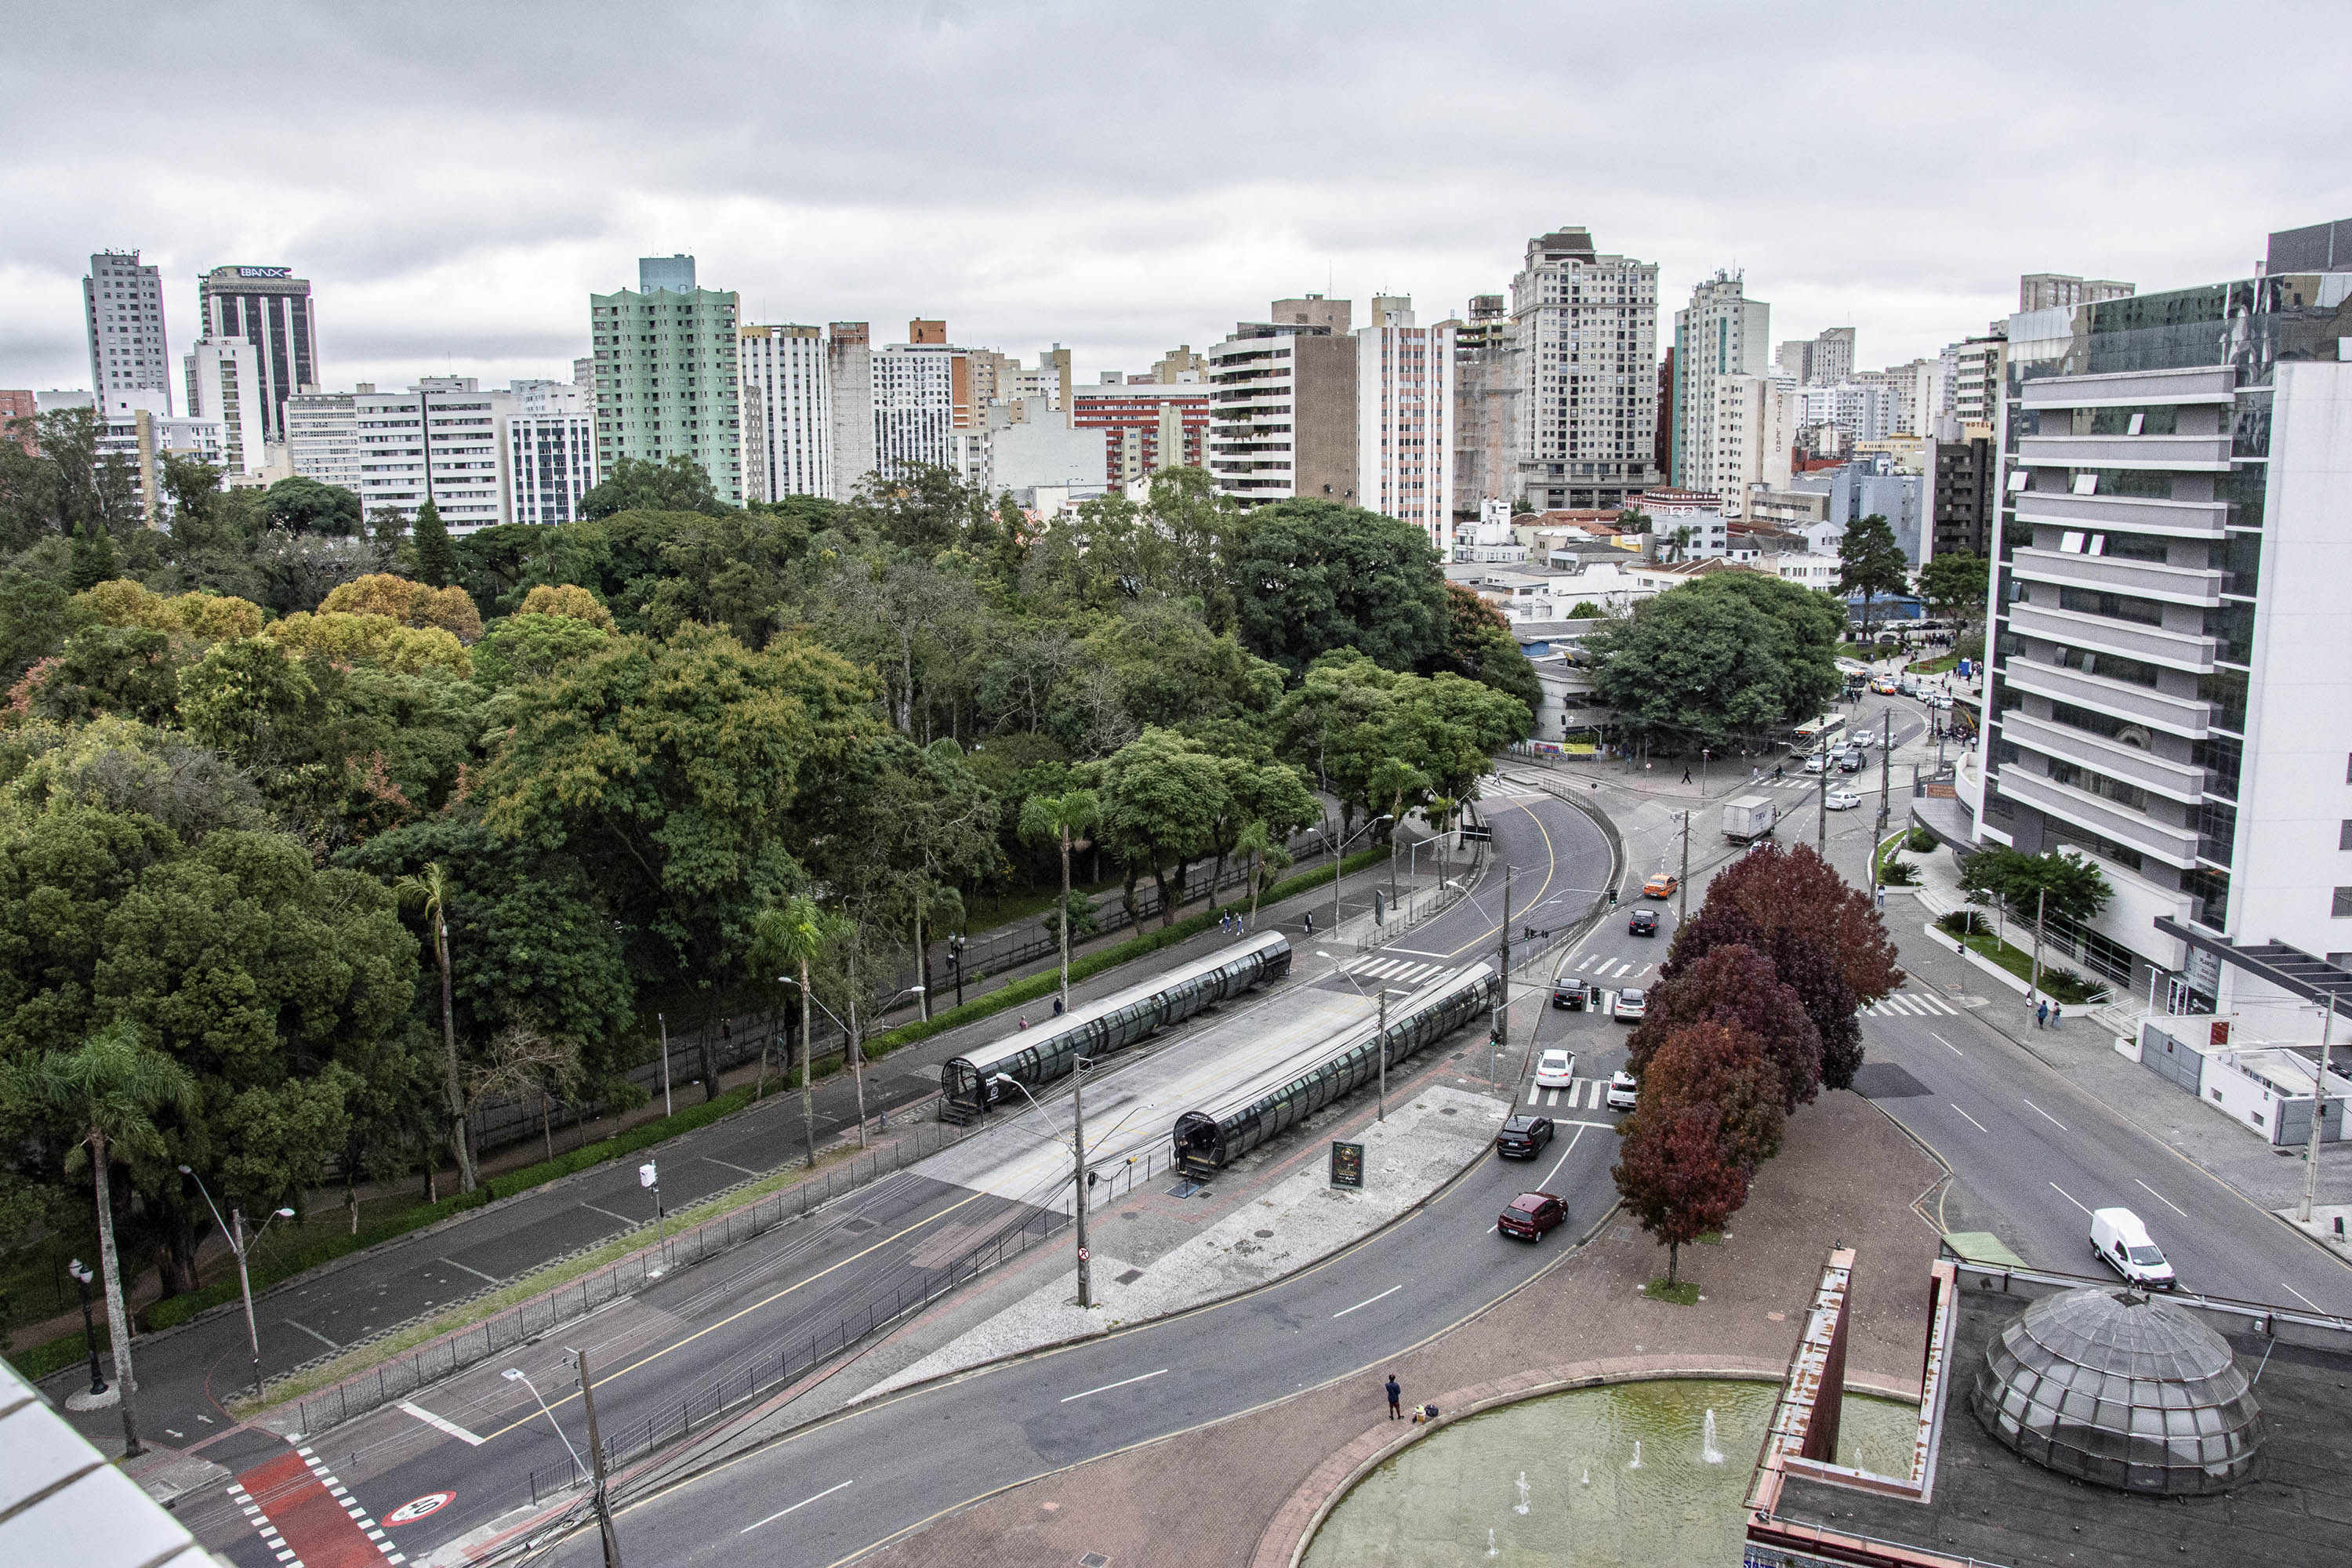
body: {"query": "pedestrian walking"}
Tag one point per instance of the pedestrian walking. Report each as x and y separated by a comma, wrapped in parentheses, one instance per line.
(2042, 1015)
(1057, 1006)
(1685, 773)
(1310, 923)
(2057, 1012)
(1396, 1399)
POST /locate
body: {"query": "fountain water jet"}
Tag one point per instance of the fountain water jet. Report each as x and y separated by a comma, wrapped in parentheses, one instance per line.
(1708, 1451)
(1637, 1455)
(1521, 1506)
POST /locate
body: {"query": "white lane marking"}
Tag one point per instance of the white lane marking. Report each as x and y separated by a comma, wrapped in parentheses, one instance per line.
(1123, 1383)
(1622, 970)
(1970, 1119)
(731, 1165)
(2068, 1196)
(781, 1512)
(2044, 1114)
(1943, 1042)
(443, 1422)
(1940, 1005)
(1416, 953)
(1564, 1153)
(1535, 1097)
(1610, 1126)
(1643, 970)
(2300, 1296)
(2160, 1197)
(1360, 1305)
(608, 1214)
(475, 1272)
(1551, 1096)
(312, 1332)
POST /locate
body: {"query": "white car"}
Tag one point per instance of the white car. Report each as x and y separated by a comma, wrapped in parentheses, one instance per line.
(1622, 1089)
(1841, 800)
(1819, 763)
(1630, 1006)
(1555, 1069)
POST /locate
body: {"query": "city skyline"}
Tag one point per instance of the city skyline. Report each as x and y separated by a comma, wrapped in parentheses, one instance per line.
(1371, 181)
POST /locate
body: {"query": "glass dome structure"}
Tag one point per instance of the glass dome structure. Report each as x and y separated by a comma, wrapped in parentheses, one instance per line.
(2112, 1387)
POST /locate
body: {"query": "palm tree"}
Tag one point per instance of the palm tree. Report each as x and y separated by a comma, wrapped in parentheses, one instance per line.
(795, 932)
(431, 892)
(112, 1087)
(1063, 818)
(1257, 841)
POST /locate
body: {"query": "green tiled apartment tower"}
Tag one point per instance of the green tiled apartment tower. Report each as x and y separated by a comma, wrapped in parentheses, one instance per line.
(666, 376)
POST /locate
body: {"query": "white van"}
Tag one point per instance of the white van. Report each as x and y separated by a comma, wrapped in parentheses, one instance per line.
(2119, 1238)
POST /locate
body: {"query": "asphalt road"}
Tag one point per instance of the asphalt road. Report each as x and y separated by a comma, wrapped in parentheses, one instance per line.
(480, 1436)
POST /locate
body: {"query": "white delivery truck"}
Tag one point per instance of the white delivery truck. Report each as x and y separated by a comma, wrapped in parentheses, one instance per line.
(1747, 818)
(2121, 1242)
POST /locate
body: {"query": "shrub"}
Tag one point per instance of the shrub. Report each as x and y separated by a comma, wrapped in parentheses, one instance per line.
(1920, 842)
(1899, 873)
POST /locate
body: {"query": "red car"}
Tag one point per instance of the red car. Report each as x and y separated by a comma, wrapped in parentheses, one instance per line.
(1532, 1214)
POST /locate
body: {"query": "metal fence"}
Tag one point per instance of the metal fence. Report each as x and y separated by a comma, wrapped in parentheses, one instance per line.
(698, 1408)
(402, 1375)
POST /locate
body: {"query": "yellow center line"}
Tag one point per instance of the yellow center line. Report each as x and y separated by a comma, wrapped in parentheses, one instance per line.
(712, 1328)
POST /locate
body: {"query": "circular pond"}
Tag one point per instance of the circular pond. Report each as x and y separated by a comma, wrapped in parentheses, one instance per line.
(1620, 1474)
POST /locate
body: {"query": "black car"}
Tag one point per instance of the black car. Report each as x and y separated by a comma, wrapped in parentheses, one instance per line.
(1522, 1137)
(1571, 998)
(1642, 922)
(1851, 760)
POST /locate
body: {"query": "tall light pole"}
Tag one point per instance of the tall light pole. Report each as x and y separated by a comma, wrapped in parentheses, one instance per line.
(82, 1276)
(1503, 978)
(2318, 1113)
(596, 1470)
(1382, 1112)
(1682, 884)
(241, 1245)
(1340, 853)
(1079, 1153)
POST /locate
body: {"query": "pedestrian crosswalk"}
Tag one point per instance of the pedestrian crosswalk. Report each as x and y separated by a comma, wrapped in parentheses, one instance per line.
(1607, 966)
(1582, 1093)
(1912, 1007)
(1395, 969)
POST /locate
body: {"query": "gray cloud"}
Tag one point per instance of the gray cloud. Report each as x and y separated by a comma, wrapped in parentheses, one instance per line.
(454, 179)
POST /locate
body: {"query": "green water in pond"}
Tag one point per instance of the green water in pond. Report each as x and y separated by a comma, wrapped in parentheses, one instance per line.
(1555, 1481)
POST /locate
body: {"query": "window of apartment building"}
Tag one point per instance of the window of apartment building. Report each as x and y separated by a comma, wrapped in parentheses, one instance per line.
(2137, 484)
(2239, 559)
(2111, 606)
(2226, 690)
(2220, 755)
(2343, 909)
(2110, 666)
(2209, 896)
(2075, 776)
(2092, 722)
(2148, 419)
(2124, 546)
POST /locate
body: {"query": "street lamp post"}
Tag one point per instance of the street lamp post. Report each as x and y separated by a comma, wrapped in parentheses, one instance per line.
(850, 1034)
(650, 1176)
(241, 1245)
(596, 1470)
(1382, 1112)
(2318, 1114)
(1079, 1153)
(1340, 853)
(82, 1276)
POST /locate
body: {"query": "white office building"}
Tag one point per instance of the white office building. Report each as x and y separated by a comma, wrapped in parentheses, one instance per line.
(551, 440)
(1721, 332)
(914, 392)
(322, 439)
(2168, 693)
(225, 386)
(1752, 439)
(1405, 420)
(444, 440)
(122, 310)
(788, 428)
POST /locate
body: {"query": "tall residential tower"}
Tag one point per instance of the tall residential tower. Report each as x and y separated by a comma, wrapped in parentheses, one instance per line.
(272, 308)
(1586, 330)
(665, 374)
(123, 308)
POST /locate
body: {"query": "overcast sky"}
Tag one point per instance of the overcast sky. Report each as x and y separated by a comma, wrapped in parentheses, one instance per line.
(454, 179)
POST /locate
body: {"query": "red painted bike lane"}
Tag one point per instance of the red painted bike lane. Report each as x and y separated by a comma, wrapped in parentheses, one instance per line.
(307, 1518)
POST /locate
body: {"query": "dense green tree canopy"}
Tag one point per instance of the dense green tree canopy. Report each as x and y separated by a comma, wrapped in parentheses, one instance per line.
(1732, 655)
(1310, 578)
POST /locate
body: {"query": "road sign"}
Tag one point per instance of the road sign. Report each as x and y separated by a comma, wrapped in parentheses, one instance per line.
(646, 1174)
(1347, 1164)
(1084, 1256)
(416, 1509)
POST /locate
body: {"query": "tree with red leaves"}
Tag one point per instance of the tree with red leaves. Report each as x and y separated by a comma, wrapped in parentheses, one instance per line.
(1684, 1165)
(1738, 986)
(1822, 935)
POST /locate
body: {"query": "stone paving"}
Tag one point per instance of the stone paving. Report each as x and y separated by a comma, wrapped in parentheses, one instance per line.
(1242, 1490)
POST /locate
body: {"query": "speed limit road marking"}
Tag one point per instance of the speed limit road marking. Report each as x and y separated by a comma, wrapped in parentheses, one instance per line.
(416, 1509)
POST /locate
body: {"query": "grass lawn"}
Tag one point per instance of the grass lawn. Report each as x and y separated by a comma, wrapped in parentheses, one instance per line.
(2063, 985)
(1943, 666)
(1683, 1293)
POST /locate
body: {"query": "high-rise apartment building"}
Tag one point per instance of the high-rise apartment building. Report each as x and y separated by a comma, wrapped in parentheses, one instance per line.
(272, 308)
(1795, 359)
(1977, 367)
(1913, 395)
(1282, 404)
(667, 374)
(1752, 441)
(225, 386)
(1485, 457)
(1586, 336)
(787, 413)
(322, 437)
(1963, 472)
(19, 408)
(849, 369)
(1721, 332)
(550, 440)
(921, 397)
(444, 440)
(1405, 420)
(2169, 694)
(1832, 357)
(122, 309)
(1146, 425)
(2057, 290)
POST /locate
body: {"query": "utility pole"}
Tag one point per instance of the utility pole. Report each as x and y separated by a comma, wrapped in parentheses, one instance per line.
(2041, 903)
(1503, 982)
(596, 1459)
(1681, 884)
(2318, 1113)
(1078, 1151)
(1885, 741)
(1384, 1062)
(1822, 795)
(668, 1109)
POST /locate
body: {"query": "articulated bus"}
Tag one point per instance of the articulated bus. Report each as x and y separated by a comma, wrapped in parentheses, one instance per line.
(968, 1086)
